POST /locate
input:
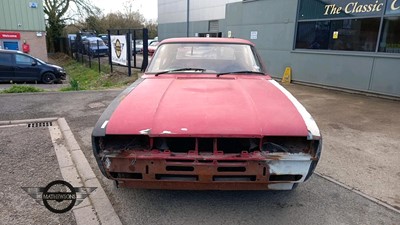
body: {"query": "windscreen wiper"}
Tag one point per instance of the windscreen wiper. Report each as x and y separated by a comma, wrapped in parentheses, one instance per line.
(242, 71)
(180, 69)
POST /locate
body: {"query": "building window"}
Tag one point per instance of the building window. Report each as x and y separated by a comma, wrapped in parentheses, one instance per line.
(347, 35)
(390, 38)
(213, 26)
(347, 25)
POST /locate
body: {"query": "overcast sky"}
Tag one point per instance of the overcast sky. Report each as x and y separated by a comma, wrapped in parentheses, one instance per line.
(148, 8)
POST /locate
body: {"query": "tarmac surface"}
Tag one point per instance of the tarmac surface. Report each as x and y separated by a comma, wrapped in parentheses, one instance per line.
(27, 160)
(361, 139)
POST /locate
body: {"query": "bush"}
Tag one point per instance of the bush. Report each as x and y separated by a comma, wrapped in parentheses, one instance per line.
(84, 78)
(74, 84)
(21, 89)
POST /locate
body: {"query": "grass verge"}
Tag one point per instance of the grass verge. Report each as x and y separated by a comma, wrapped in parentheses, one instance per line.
(21, 89)
(81, 77)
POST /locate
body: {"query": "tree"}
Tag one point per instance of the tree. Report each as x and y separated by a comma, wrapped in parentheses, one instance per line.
(59, 11)
(95, 23)
(120, 20)
(127, 19)
(152, 26)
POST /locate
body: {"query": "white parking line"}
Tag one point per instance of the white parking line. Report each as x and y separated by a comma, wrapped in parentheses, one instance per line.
(377, 201)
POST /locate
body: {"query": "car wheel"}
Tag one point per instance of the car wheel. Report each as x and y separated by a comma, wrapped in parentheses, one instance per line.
(48, 78)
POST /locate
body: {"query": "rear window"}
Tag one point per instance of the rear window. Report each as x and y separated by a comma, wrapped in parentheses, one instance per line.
(5, 58)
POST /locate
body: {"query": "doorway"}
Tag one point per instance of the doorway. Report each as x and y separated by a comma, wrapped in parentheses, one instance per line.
(11, 45)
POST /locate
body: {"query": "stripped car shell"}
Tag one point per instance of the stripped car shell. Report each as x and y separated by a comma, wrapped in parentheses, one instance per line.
(206, 116)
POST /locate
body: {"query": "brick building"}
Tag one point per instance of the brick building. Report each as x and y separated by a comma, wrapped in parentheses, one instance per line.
(23, 21)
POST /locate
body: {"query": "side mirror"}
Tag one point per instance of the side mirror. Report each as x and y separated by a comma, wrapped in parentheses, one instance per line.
(34, 63)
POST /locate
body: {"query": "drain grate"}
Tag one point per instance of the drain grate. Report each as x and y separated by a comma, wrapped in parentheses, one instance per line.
(40, 124)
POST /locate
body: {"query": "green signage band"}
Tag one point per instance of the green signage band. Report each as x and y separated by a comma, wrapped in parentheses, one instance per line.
(316, 9)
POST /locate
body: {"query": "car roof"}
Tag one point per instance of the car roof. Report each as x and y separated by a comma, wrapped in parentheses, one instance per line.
(207, 40)
(10, 51)
(93, 38)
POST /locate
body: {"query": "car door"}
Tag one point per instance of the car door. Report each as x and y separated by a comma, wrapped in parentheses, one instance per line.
(6, 66)
(26, 68)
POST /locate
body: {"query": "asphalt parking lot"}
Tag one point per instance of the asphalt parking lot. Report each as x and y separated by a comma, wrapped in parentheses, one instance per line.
(361, 139)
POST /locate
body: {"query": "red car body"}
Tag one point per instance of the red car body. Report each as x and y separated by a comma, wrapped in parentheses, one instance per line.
(212, 130)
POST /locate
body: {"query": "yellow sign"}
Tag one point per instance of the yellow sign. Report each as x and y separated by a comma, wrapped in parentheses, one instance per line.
(335, 34)
(287, 76)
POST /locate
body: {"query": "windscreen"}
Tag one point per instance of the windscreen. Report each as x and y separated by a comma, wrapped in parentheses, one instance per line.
(94, 43)
(212, 57)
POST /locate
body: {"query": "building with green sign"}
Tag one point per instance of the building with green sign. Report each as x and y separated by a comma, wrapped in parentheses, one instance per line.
(23, 21)
(346, 44)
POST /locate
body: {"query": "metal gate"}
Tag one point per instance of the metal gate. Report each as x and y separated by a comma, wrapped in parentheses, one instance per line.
(137, 56)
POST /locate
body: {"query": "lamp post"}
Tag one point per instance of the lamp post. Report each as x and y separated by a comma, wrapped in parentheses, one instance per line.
(187, 19)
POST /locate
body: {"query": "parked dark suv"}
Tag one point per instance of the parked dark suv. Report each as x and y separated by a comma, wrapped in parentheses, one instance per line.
(17, 66)
(92, 48)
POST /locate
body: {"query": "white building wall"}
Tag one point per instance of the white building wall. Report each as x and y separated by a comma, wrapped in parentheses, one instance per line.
(174, 11)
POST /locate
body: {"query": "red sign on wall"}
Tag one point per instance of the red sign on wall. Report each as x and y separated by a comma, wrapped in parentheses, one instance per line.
(10, 35)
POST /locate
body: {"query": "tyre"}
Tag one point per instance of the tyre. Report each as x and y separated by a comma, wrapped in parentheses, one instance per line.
(48, 78)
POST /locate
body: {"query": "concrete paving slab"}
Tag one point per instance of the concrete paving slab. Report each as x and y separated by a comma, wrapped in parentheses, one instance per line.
(100, 201)
(63, 156)
(70, 175)
(83, 167)
(103, 210)
(86, 215)
(68, 135)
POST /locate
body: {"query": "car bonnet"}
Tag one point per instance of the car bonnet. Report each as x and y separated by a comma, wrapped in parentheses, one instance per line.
(229, 106)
